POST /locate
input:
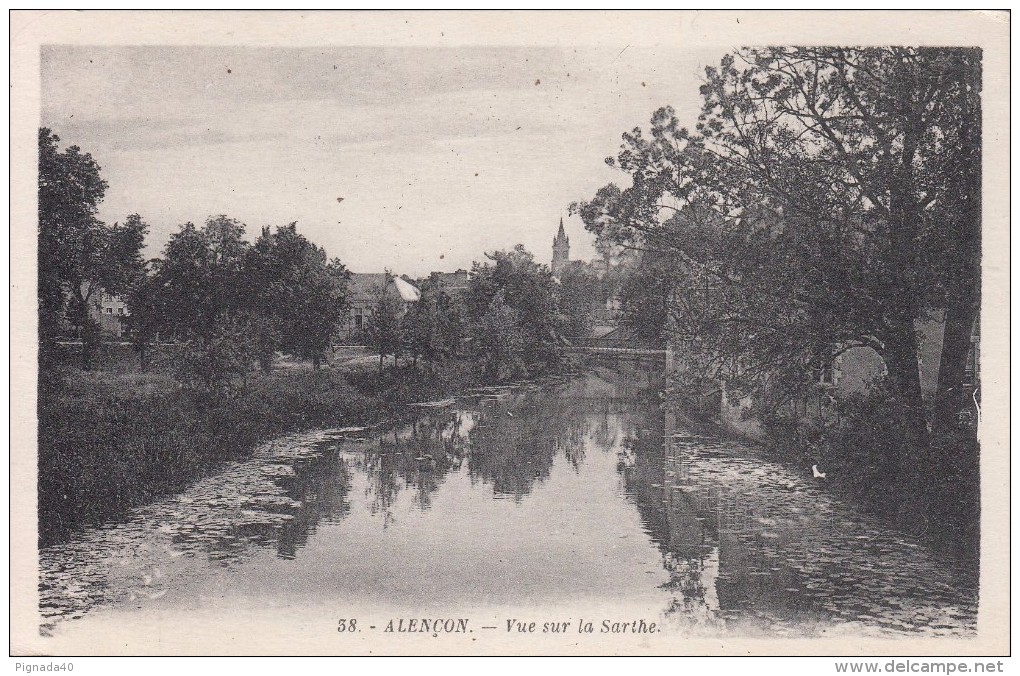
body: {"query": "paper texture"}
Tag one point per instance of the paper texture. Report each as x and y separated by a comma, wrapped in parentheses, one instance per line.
(224, 611)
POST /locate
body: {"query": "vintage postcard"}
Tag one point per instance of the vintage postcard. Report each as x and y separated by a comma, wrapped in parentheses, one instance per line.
(490, 333)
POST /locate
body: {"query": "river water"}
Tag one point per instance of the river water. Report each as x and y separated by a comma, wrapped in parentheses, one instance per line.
(571, 498)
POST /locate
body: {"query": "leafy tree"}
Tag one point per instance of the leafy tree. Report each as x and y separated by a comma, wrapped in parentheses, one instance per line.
(209, 363)
(645, 295)
(73, 243)
(527, 288)
(198, 296)
(384, 331)
(325, 302)
(885, 143)
(227, 252)
(830, 198)
(579, 293)
(297, 296)
(201, 277)
(500, 340)
(419, 330)
(125, 266)
(79, 256)
(433, 326)
(265, 334)
(146, 314)
(211, 287)
(183, 278)
(128, 275)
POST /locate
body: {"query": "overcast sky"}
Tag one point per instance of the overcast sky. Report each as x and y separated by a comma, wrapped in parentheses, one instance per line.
(438, 154)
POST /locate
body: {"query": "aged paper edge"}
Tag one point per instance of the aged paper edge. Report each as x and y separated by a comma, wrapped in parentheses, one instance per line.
(698, 30)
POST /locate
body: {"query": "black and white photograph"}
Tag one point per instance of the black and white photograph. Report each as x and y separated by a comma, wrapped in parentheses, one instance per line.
(513, 333)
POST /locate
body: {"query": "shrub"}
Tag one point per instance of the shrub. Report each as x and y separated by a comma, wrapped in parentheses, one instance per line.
(211, 362)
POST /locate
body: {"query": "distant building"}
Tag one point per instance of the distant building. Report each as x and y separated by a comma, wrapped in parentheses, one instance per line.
(852, 371)
(561, 251)
(367, 290)
(561, 257)
(452, 282)
(109, 312)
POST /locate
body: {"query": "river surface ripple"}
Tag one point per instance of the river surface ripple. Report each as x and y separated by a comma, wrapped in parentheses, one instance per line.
(580, 492)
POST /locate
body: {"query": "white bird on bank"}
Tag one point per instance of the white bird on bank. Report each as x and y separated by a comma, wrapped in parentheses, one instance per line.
(815, 473)
(510, 413)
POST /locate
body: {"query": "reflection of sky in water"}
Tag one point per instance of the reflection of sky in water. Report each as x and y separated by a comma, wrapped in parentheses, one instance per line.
(511, 497)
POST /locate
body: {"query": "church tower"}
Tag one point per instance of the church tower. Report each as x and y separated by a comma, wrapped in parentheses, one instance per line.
(561, 250)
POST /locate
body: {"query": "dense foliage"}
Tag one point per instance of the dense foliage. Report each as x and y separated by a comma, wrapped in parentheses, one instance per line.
(233, 303)
(433, 328)
(511, 306)
(581, 291)
(79, 256)
(829, 198)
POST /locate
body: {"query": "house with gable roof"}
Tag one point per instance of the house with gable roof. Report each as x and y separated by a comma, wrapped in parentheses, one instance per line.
(367, 290)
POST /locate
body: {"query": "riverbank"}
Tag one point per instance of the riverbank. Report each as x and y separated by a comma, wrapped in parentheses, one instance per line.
(560, 488)
(935, 499)
(109, 441)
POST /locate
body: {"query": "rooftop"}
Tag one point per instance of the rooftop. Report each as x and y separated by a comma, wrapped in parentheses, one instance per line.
(372, 285)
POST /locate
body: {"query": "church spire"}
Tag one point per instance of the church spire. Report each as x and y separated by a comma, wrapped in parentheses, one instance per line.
(561, 249)
(561, 240)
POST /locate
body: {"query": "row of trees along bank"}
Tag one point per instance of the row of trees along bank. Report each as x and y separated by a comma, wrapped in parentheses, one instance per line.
(230, 305)
(508, 320)
(828, 198)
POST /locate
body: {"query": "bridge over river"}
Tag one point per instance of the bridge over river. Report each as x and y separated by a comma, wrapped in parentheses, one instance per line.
(616, 351)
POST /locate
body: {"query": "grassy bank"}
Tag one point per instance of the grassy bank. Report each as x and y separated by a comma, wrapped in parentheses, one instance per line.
(111, 440)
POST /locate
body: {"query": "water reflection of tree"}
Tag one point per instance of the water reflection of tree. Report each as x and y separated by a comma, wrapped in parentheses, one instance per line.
(436, 449)
(418, 456)
(653, 478)
(283, 517)
(606, 431)
(518, 438)
(513, 452)
(510, 442)
(321, 485)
